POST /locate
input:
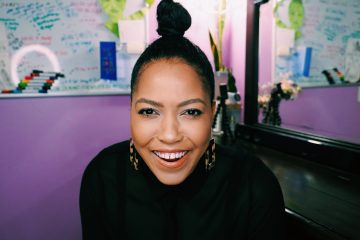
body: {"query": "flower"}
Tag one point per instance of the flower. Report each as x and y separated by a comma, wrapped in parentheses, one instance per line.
(289, 88)
(263, 100)
(285, 88)
(271, 94)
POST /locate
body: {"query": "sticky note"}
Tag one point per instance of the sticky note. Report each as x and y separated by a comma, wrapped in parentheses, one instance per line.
(135, 40)
(285, 40)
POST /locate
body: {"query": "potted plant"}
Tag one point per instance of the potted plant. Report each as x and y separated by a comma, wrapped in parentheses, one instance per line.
(224, 75)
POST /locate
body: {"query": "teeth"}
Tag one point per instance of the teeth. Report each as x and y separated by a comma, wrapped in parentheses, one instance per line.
(170, 156)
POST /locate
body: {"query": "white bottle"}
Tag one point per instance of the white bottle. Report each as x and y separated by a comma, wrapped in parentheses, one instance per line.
(123, 68)
(233, 106)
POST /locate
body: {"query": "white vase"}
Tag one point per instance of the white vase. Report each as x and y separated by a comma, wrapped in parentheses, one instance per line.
(233, 106)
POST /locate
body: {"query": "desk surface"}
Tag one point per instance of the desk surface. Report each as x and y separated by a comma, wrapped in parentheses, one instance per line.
(324, 196)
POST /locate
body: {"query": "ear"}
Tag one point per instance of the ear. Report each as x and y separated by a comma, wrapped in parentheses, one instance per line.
(213, 108)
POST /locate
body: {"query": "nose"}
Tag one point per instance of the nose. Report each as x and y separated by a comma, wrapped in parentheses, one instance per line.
(169, 130)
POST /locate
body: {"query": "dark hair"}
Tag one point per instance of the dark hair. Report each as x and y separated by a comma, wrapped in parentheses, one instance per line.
(173, 20)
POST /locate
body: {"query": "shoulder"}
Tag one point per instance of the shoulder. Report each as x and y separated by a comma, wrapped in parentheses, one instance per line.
(114, 150)
(245, 168)
(237, 159)
(107, 159)
(254, 192)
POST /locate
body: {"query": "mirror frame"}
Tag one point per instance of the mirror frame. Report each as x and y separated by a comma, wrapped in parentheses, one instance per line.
(328, 152)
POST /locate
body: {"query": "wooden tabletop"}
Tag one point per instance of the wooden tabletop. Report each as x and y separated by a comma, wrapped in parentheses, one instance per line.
(324, 197)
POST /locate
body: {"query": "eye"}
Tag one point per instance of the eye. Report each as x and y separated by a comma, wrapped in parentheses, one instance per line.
(193, 112)
(147, 112)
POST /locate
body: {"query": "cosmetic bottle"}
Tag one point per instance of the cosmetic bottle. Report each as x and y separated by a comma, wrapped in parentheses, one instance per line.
(123, 64)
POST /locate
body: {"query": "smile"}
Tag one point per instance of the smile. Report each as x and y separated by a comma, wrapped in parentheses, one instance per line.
(173, 156)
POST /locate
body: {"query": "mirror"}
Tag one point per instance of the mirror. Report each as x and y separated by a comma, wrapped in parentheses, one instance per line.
(309, 67)
(309, 144)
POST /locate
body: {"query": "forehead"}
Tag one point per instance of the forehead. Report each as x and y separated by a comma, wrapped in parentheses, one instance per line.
(169, 76)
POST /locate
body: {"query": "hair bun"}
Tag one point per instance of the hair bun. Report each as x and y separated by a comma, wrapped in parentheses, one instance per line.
(173, 19)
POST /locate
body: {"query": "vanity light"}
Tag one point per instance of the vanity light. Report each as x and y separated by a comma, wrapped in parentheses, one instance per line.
(18, 56)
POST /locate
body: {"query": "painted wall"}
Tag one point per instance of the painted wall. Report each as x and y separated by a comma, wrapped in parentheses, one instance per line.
(330, 112)
(45, 144)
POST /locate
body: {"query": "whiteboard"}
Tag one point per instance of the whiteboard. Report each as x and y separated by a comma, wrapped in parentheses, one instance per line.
(329, 28)
(72, 30)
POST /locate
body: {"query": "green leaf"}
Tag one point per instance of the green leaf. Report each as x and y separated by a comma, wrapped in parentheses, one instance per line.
(149, 2)
(296, 14)
(142, 12)
(278, 21)
(137, 15)
(280, 24)
(215, 52)
(298, 34)
(113, 27)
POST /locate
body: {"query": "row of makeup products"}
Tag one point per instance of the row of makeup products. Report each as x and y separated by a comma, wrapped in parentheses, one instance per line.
(37, 82)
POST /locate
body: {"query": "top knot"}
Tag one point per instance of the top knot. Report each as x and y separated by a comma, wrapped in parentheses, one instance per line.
(173, 19)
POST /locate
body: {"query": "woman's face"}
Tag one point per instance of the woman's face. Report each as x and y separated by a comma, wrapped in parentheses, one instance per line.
(171, 118)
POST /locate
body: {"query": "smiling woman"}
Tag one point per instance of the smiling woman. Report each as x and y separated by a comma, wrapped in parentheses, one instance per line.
(163, 183)
(171, 114)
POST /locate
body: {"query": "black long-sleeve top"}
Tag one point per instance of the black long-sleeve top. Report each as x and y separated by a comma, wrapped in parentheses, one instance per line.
(237, 199)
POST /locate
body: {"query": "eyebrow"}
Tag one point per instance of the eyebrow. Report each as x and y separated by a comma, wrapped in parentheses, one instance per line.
(148, 101)
(182, 104)
(190, 101)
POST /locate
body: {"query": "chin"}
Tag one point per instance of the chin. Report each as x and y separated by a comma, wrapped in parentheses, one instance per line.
(170, 179)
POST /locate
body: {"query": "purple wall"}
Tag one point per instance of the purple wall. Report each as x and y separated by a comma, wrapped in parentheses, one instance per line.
(45, 145)
(331, 112)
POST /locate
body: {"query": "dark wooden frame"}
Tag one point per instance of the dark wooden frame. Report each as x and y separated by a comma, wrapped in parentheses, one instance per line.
(340, 155)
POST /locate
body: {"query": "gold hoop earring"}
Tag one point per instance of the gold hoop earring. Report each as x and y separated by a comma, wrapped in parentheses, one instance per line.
(210, 156)
(133, 158)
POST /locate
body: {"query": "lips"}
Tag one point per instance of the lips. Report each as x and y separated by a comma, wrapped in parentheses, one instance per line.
(170, 156)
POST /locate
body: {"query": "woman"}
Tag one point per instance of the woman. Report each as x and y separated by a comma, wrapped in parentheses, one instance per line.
(164, 183)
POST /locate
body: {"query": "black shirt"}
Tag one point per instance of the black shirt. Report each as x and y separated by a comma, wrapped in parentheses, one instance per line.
(237, 199)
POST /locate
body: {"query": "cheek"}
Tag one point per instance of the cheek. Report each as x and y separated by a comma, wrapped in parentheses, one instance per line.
(142, 130)
(198, 132)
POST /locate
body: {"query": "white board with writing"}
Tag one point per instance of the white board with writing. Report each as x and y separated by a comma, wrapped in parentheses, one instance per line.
(71, 29)
(327, 28)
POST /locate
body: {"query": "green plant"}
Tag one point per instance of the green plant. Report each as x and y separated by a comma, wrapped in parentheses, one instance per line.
(219, 66)
(216, 47)
(217, 57)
